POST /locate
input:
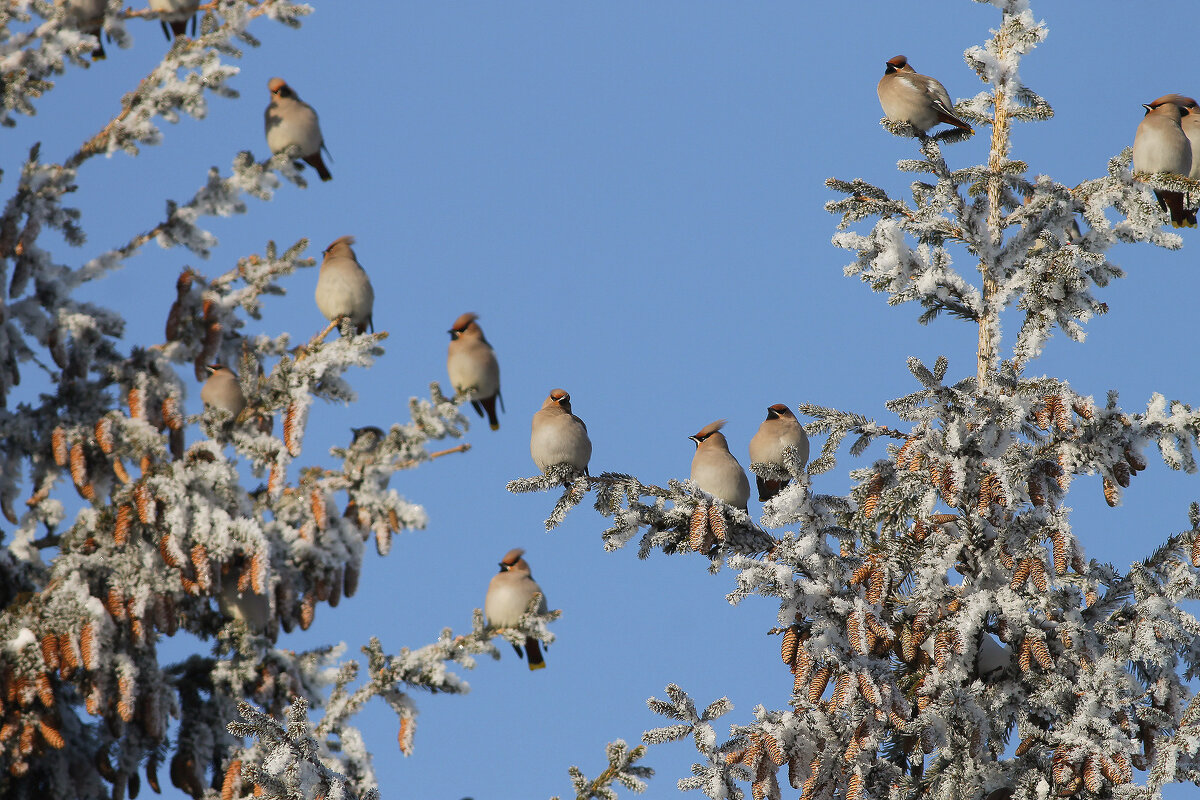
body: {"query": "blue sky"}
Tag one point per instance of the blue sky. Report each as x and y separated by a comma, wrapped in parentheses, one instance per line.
(630, 195)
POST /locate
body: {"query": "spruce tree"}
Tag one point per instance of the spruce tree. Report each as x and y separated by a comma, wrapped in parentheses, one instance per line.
(946, 633)
(133, 521)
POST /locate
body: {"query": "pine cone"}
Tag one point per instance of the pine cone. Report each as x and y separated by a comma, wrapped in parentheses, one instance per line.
(292, 429)
(818, 683)
(1120, 471)
(1111, 495)
(1061, 551)
(123, 525)
(698, 535)
(716, 523)
(787, 651)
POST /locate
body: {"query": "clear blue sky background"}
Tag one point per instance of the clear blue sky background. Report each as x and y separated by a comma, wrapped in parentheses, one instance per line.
(630, 194)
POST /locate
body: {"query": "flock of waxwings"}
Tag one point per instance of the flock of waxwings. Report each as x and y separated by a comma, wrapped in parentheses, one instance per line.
(1164, 143)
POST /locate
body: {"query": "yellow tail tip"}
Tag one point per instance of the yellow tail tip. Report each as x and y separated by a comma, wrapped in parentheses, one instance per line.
(495, 427)
(539, 665)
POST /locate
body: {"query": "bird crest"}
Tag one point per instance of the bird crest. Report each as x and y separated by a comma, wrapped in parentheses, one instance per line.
(462, 323)
(511, 559)
(708, 430)
(341, 247)
(1177, 99)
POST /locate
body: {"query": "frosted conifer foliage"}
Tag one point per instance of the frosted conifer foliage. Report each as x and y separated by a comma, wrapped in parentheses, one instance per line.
(942, 627)
(126, 520)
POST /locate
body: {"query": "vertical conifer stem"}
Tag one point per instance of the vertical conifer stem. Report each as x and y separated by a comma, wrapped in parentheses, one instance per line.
(989, 325)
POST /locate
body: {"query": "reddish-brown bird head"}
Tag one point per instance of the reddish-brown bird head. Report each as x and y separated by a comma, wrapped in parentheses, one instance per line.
(512, 561)
(341, 247)
(279, 88)
(779, 410)
(897, 64)
(464, 323)
(1167, 109)
(1178, 99)
(560, 398)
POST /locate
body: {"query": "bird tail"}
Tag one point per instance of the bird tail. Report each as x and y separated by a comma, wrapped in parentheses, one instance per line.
(179, 27)
(98, 54)
(489, 405)
(955, 121)
(318, 164)
(768, 489)
(534, 651)
(1172, 203)
(948, 116)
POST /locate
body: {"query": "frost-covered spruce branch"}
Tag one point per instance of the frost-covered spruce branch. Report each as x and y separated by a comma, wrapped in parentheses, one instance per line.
(839, 424)
(76, 432)
(332, 749)
(621, 769)
(37, 203)
(297, 549)
(424, 668)
(31, 52)
(170, 539)
(717, 778)
(64, 432)
(1097, 637)
(70, 330)
(903, 677)
(695, 521)
(292, 768)
(80, 337)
